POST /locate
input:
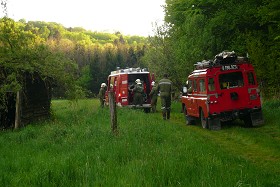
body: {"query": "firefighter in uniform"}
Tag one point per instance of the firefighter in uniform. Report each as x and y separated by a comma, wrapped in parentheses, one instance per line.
(101, 94)
(165, 89)
(138, 91)
(154, 94)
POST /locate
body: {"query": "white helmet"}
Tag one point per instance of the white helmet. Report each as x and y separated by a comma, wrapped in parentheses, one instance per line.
(138, 81)
(153, 83)
(103, 85)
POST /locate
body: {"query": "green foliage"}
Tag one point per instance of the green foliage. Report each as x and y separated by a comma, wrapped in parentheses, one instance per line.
(23, 52)
(63, 54)
(199, 30)
(77, 148)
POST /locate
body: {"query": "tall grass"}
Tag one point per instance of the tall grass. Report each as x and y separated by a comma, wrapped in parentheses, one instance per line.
(77, 148)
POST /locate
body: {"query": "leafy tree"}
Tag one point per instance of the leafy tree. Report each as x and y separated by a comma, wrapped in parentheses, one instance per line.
(196, 30)
(87, 56)
(24, 52)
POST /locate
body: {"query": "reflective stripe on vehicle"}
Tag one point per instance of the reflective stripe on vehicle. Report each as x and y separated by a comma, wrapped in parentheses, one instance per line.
(164, 83)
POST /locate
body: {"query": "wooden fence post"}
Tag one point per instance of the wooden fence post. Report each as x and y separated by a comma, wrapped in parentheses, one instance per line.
(113, 111)
(17, 114)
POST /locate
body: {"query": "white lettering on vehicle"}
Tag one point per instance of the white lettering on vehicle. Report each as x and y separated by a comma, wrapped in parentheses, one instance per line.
(124, 82)
(229, 67)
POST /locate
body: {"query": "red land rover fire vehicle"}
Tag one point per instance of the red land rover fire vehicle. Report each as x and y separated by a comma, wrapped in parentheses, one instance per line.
(222, 90)
(122, 80)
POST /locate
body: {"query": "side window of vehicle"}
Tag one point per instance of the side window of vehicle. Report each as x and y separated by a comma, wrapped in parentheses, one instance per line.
(251, 79)
(190, 82)
(195, 85)
(190, 86)
(211, 84)
(202, 85)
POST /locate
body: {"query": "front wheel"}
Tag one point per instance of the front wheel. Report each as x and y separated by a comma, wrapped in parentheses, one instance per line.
(204, 121)
(189, 120)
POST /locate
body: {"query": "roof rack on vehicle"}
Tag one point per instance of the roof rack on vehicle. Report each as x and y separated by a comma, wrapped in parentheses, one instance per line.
(204, 64)
(129, 70)
(223, 58)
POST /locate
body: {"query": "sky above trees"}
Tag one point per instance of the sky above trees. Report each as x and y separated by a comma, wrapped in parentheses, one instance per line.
(130, 17)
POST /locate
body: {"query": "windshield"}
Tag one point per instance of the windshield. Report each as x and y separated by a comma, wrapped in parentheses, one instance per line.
(231, 80)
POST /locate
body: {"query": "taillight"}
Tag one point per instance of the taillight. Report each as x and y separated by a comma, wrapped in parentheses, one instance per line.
(253, 97)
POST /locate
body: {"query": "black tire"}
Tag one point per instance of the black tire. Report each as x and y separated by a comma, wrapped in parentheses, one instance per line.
(185, 115)
(203, 120)
(188, 122)
(248, 121)
(147, 110)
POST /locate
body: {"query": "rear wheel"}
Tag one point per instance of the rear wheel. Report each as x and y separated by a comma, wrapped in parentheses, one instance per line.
(147, 110)
(204, 121)
(248, 121)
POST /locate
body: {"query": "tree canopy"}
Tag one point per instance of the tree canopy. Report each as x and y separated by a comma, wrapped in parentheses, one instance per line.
(198, 29)
(75, 59)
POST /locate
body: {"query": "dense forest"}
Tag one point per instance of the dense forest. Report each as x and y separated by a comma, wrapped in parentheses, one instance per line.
(78, 61)
(195, 30)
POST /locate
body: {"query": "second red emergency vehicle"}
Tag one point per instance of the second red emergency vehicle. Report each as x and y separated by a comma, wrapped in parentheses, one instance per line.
(223, 90)
(122, 80)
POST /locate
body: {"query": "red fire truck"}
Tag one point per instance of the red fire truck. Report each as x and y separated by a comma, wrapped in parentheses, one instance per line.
(122, 80)
(222, 90)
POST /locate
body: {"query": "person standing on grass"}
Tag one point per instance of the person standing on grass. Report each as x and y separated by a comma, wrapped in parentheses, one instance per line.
(138, 91)
(154, 94)
(101, 94)
(164, 88)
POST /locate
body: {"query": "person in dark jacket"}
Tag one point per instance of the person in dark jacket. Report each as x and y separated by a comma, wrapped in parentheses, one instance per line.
(101, 94)
(165, 88)
(154, 94)
(138, 91)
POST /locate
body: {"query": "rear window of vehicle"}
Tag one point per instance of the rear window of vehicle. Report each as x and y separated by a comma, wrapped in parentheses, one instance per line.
(231, 80)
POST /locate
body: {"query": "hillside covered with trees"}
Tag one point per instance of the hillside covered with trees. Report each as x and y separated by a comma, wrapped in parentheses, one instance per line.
(79, 60)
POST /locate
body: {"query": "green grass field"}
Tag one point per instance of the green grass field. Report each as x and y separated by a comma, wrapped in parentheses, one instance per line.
(76, 148)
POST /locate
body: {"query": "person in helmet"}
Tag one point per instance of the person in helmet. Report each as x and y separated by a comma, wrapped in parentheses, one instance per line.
(101, 94)
(165, 88)
(138, 91)
(154, 94)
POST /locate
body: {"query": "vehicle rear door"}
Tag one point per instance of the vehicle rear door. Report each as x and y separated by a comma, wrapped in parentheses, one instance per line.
(123, 92)
(232, 91)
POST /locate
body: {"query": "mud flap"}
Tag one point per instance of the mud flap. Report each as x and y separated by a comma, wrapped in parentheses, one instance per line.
(214, 123)
(257, 118)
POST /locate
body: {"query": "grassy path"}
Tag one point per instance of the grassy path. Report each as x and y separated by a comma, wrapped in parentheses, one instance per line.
(260, 145)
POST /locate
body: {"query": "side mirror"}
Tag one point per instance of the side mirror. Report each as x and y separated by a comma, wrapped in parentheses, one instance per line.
(185, 90)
